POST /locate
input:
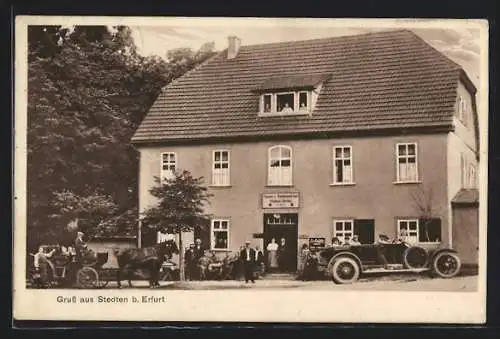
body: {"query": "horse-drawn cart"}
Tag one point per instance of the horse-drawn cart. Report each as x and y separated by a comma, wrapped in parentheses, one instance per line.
(92, 274)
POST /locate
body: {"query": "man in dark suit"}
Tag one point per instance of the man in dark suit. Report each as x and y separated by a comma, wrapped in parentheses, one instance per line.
(197, 252)
(189, 263)
(247, 257)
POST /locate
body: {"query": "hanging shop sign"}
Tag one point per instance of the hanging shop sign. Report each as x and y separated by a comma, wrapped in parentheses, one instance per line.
(317, 243)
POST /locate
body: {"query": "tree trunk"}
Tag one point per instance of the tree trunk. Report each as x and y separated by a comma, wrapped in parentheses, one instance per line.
(181, 259)
(426, 225)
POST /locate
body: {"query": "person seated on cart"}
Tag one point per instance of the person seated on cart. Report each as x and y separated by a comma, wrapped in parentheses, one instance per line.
(336, 242)
(355, 240)
(80, 246)
(403, 236)
(41, 264)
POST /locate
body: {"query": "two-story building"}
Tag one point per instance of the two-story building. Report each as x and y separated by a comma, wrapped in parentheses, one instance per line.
(356, 135)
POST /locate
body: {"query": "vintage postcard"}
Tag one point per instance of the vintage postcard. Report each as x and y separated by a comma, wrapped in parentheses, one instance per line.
(250, 169)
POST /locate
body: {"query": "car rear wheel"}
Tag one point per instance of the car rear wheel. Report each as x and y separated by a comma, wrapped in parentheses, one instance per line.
(415, 257)
(345, 270)
(446, 265)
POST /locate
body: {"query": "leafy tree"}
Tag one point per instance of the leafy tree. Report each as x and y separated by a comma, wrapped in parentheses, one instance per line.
(180, 208)
(88, 90)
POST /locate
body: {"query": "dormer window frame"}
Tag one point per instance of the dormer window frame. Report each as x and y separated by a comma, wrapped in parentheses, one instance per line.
(296, 102)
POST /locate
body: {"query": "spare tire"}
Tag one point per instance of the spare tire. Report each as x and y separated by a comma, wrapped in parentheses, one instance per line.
(415, 257)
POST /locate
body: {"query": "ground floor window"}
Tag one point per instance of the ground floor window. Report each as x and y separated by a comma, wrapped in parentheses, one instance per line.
(420, 230)
(363, 229)
(429, 230)
(220, 234)
(343, 229)
(408, 230)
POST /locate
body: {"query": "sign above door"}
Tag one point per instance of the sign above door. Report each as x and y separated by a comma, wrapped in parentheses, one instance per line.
(280, 200)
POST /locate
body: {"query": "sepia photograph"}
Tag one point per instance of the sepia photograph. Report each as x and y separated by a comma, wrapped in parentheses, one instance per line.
(170, 163)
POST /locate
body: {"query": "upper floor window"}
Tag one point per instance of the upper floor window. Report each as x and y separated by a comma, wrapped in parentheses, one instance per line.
(280, 166)
(342, 164)
(220, 168)
(168, 165)
(468, 173)
(462, 109)
(220, 234)
(298, 102)
(407, 164)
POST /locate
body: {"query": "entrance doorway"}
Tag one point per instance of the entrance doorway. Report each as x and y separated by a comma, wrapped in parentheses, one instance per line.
(283, 228)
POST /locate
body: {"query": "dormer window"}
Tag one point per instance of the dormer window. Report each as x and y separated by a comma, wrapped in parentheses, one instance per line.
(293, 102)
(267, 103)
(285, 102)
(295, 95)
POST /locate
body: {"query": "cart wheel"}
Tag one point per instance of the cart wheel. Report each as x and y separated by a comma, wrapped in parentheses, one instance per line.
(87, 277)
(102, 283)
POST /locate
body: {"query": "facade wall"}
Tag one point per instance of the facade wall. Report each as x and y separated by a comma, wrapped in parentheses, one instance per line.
(373, 196)
(462, 147)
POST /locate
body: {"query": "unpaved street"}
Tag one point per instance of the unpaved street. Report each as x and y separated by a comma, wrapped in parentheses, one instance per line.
(387, 283)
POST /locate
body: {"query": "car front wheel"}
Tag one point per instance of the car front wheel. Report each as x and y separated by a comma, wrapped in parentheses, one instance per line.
(345, 270)
(446, 265)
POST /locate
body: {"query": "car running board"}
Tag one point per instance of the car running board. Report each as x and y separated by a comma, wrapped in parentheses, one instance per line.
(394, 270)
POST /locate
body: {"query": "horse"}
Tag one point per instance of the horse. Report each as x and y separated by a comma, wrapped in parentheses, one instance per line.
(150, 258)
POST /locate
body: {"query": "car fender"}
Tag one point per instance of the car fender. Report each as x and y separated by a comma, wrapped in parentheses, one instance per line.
(441, 250)
(345, 254)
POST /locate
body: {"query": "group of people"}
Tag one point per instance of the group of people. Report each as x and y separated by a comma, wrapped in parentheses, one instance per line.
(42, 262)
(192, 257)
(277, 255)
(250, 260)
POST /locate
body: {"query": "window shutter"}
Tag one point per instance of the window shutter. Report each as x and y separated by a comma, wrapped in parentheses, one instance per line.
(365, 230)
(429, 230)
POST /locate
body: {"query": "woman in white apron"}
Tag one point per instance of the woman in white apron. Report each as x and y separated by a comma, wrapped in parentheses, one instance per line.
(272, 249)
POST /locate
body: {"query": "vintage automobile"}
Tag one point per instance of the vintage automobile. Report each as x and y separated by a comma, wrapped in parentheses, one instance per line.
(344, 264)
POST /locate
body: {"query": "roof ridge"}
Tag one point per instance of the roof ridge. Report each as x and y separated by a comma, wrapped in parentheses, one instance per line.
(382, 32)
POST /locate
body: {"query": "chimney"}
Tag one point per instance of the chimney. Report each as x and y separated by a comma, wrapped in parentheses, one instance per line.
(233, 46)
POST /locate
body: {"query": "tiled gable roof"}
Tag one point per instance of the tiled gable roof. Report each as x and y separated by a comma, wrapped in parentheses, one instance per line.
(378, 80)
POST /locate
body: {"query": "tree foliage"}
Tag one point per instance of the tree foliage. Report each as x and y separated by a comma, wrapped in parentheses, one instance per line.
(181, 204)
(88, 90)
(181, 207)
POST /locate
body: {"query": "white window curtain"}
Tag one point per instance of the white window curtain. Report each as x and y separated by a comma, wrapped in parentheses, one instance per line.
(220, 170)
(280, 166)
